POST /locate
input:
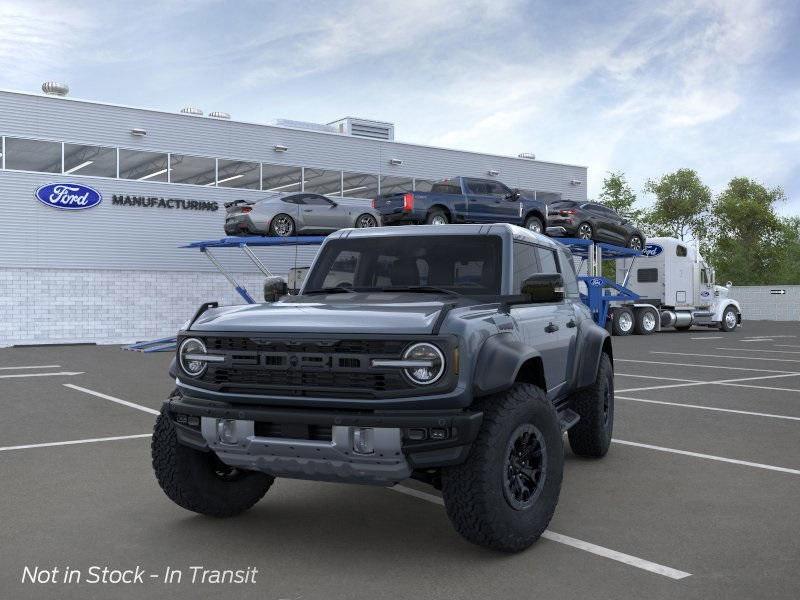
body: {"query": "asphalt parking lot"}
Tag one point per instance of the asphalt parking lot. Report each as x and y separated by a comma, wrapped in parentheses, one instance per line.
(698, 497)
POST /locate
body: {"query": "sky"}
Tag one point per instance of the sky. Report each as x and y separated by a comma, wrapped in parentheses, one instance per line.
(639, 87)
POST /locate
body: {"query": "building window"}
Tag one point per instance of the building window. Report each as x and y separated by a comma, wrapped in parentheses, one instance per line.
(33, 155)
(423, 185)
(90, 160)
(396, 185)
(279, 178)
(359, 185)
(238, 174)
(143, 166)
(320, 181)
(196, 170)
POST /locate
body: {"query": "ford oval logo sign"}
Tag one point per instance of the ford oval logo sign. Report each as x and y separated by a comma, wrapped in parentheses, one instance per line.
(68, 196)
(652, 250)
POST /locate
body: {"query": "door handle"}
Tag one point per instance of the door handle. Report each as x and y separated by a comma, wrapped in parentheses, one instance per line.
(551, 328)
(307, 210)
(571, 323)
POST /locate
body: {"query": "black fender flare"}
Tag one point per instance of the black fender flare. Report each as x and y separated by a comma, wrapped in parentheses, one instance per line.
(173, 368)
(501, 360)
(592, 341)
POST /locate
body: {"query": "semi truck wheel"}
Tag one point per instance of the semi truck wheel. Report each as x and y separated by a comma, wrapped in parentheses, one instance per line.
(729, 320)
(199, 481)
(645, 322)
(622, 322)
(591, 436)
(504, 495)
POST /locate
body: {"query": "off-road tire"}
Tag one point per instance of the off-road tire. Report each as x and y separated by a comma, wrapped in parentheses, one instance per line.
(617, 325)
(437, 214)
(639, 327)
(591, 436)
(474, 491)
(723, 326)
(188, 477)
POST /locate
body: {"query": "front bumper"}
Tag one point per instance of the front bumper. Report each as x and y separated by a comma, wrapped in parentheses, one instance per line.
(396, 454)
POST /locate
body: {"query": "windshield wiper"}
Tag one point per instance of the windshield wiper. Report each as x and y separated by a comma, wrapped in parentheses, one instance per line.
(329, 290)
(420, 289)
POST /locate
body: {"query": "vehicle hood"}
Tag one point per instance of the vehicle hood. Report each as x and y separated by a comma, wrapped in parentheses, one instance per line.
(357, 313)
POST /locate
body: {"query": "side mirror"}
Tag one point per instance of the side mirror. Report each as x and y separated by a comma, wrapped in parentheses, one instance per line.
(544, 287)
(275, 288)
(334, 204)
(514, 195)
(729, 284)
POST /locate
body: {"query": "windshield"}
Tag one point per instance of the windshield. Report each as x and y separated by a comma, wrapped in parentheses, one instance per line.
(464, 264)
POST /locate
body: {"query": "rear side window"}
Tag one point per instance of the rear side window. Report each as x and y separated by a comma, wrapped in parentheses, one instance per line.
(547, 260)
(647, 275)
(526, 263)
(680, 251)
(446, 187)
(568, 274)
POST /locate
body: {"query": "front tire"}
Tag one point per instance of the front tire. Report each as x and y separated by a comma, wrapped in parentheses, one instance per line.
(585, 232)
(282, 225)
(199, 481)
(504, 495)
(534, 224)
(591, 436)
(635, 242)
(729, 320)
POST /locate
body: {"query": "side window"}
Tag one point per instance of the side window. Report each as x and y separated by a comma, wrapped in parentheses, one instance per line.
(680, 250)
(526, 264)
(293, 199)
(477, 187)
(568, 273)
(444, 187)
(315, 200)
(343, 270)
(703, 276)
(497, 189)
(547, 260)
(647, 275)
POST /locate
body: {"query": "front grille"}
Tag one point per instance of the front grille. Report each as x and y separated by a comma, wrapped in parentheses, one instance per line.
(260, 365)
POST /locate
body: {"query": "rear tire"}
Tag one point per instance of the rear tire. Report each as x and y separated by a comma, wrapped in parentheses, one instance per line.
(282, 225)
(585, 232)
(366, 220)
(199, 481)
(622, 323)
(635, 242)
(534, 224)
(504, 495)
(437, 217)
(645, 322)
(591, 436)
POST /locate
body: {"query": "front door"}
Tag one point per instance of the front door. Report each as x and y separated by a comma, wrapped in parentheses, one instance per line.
(320, 214)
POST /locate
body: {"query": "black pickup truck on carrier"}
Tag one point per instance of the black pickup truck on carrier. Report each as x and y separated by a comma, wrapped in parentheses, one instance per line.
(455, 355)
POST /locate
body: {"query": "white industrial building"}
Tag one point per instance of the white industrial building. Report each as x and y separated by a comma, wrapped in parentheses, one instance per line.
(115, 272)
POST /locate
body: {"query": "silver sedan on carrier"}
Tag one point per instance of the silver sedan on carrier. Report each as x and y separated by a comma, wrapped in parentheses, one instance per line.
(283, 215)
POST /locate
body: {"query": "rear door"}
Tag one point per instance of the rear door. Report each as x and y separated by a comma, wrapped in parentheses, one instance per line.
(541, 325)
(480, 201)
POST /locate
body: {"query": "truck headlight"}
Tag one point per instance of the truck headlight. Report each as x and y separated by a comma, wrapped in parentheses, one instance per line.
(187, 357)
(428, 364)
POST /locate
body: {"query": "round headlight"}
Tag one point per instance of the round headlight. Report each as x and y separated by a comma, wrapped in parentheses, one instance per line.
(190, 346)
(431, 363)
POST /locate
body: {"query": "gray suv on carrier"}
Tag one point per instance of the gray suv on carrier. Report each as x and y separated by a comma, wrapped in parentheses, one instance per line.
(454, 355)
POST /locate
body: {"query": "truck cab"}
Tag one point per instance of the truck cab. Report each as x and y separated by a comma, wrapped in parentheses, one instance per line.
(672, 276)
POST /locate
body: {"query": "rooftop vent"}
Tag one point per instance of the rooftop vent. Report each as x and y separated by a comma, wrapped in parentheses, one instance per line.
(192, 110)
(527, 155)
(53, 88)
(219, 115)
(303, 125)
(376, 130)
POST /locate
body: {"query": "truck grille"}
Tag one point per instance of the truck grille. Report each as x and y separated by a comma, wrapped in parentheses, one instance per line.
(260, 365)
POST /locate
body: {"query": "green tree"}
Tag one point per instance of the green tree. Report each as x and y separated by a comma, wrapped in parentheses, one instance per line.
(681, 206)
(751, 244)
(618, 195)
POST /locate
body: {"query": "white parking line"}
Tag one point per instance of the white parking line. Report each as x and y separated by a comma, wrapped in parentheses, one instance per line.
(31, 367)
(727, 356)
(152, 411)
(714, 408)
(787, 346)
(708, 337)
(19, 375)
(656, 377)
(73, 442)
(756, 340)
(759, 350)
(714, 382)
(627, 559)
(674, 364)
(708, 456)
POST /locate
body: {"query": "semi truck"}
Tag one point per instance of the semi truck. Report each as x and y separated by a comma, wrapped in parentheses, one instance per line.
(676, 288)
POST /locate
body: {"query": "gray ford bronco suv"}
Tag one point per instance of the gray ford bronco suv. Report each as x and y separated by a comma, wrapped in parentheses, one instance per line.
(456, 355)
